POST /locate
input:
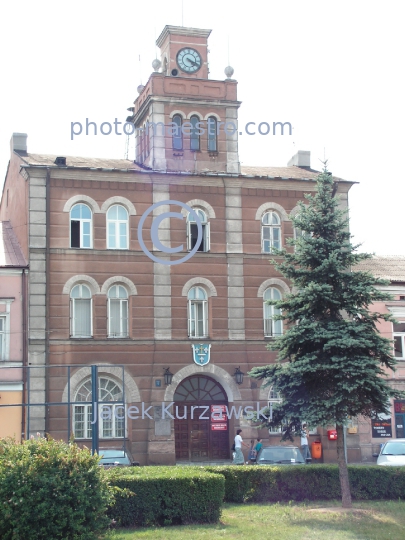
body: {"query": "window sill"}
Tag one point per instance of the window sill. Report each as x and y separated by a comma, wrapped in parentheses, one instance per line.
(118, 337)
(198, 337)
(80, 337)
(86, 439)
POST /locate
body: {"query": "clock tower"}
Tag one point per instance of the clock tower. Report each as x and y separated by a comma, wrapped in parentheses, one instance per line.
(186, 122)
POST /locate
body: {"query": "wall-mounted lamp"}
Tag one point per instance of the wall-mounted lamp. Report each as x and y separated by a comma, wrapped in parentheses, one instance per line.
(238, 375)
(168, 376)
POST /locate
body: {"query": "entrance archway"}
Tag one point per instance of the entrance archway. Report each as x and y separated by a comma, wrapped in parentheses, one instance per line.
(198, 436)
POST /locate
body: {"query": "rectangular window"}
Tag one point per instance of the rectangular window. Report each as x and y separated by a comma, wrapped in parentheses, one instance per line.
(81, 317)
(192, 236)
(198, 319)
(271, 238)
(108, 427)
(74, 234)
(80, 233)
(118, 318)
(399, 340)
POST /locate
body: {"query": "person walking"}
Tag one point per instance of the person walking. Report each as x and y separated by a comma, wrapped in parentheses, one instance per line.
(239, 458)
(304, 442)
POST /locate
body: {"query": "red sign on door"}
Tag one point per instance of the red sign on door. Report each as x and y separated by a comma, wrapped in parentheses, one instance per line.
(218, 413)
(223, 426)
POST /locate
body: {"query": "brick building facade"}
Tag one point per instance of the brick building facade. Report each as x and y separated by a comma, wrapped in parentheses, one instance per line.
(95, 296)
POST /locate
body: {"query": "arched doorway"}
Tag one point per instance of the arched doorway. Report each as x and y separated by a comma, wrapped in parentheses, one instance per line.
(198, 436)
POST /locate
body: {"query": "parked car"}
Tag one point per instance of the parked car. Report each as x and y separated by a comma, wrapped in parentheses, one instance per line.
(280, 455)
(392, 453)
(116, 458)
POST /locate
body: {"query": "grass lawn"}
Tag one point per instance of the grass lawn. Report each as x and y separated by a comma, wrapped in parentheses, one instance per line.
(379, 520)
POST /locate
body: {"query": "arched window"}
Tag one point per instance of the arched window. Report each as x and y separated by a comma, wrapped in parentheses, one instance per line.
(197, 313)
(194, 133)
(271, 327)
(192, 231)
(117, 227)
(274, 397)
(271, 232)
(111, 415)
(212, 134)
(80, 312)
(177, 133)
(117, 312)
(80, 226)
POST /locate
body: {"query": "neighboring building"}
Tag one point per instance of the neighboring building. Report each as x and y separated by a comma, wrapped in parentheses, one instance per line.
(12, 331)
(95, 297)
(367, 436)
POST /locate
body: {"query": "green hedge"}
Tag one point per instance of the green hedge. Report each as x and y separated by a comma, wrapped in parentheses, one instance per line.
(51, 490)
(166, 495)
(309, 482)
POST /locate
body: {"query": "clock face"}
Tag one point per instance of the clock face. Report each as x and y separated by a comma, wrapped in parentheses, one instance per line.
(189, 60)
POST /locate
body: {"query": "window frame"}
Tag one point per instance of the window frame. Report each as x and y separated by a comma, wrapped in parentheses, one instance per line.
(3, 333)
(195, 134)
(88, 414)
(73, 310)
(206, 236)
(81, 221)
(204, 305)
(266, 324)
(272, 227)
(401, 335)
(212, 137)
(116, 223)
(122, 302)
(177, 147)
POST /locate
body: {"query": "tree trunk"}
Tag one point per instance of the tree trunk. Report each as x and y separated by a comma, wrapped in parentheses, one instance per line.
(343, 472)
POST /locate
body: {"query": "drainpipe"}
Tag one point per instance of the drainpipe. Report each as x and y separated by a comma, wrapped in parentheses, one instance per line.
(47, 277)
(24, 351)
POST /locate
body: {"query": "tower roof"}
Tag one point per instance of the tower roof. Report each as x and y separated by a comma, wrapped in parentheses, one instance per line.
(182, 31)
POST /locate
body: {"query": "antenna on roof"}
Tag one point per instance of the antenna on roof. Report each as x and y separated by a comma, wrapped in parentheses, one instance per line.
(182, 22)
(140, 70)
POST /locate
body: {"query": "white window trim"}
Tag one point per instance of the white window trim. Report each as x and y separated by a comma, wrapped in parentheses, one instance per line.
(121, 301)
(402, 336)
(87, 405)
(266, 319)
(117, 222)
(81, 220)
(5, 315)
(206, 235)
(271, 227)
(72, 316)
(205, 319)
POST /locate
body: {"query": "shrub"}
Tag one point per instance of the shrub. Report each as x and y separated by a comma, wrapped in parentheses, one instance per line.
(309, 482)
(166, 495)
(51, 490)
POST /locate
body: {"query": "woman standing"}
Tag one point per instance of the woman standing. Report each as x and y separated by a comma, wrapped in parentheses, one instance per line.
(239, 459)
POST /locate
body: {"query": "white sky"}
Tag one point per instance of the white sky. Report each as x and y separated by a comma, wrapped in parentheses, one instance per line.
(335, 70)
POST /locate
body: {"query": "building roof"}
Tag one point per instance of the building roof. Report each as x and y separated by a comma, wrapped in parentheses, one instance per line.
(47, 160)
(391, 267)
(10, 250)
